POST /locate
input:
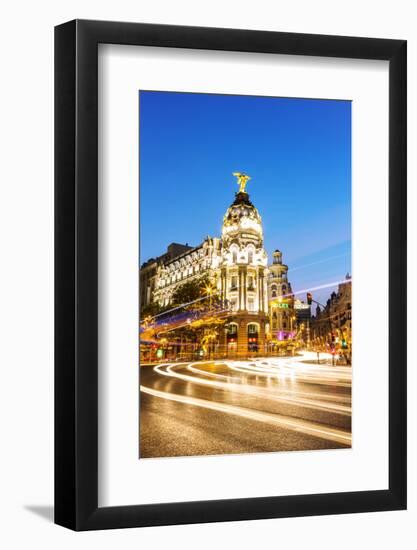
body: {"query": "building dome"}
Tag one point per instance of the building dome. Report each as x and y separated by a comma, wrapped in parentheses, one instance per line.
(242, 219)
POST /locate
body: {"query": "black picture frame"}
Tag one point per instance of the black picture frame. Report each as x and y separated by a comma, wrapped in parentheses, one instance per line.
(76, 273)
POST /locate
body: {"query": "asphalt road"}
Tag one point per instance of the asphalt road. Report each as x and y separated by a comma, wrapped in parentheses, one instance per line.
(229, 407)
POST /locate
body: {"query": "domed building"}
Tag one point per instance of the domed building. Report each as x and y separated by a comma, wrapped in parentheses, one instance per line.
(242, 283)
(257, 297)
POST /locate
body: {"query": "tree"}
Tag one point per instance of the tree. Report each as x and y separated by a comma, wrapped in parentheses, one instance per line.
(150, 310)
(190, 291)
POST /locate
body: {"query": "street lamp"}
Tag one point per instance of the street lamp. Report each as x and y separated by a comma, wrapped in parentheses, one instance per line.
(209, 291)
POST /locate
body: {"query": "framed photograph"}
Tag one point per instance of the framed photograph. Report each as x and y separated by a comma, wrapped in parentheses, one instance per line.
(230, 252)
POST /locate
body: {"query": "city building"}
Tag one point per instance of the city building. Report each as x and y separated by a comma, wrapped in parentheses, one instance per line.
(258, 297)
(331, 327)
(243, 277)
(303, 321)
(281, 301)
(192, 263)
(149, 270)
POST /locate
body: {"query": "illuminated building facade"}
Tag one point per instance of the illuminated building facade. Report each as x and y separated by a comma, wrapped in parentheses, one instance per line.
(258, 297)
(191, 264)
(148, 275)
(242, 280)
(332, 325)
(302, 313)
(281, 300)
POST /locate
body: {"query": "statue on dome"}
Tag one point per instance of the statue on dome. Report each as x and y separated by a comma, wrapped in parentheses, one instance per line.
(242, 180)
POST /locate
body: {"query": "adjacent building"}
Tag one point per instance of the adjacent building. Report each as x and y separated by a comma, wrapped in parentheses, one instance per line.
(281, 301)
(303, 321)
(148, 273)
(331, 327)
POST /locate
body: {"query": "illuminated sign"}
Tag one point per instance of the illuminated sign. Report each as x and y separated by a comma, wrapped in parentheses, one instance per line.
(281, 305)
(300, 305)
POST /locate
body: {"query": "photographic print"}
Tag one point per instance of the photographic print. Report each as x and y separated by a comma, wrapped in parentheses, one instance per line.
(245, 280)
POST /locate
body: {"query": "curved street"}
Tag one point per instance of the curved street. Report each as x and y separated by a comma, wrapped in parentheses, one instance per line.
(228, 407)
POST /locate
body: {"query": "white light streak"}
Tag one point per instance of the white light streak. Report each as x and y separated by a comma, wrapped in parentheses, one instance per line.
(294, 424)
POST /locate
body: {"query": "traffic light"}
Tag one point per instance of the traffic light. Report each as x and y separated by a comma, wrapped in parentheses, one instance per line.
(309, 298)
(344, 343)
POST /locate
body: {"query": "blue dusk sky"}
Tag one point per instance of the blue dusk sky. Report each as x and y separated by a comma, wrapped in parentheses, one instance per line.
(297, 152)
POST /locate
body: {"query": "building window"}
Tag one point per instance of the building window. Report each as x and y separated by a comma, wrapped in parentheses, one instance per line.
(232, 329)
(234, 256)
(233, 305)
(252, 337)
(233, 283)
(273, 291)
(251, 304)
(251, 285)
(250, 256)
(284, 290)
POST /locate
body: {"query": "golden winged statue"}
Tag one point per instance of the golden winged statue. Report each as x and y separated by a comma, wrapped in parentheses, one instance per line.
(242, 180)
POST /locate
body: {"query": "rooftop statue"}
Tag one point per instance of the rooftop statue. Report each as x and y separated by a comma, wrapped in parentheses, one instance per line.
(242, 180)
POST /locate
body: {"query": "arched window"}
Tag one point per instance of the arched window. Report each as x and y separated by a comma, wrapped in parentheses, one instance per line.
(273, 291)
(250, 256)
(284, 290)
(253, 329)
(234, 256)
(253, 332)
(231, 329)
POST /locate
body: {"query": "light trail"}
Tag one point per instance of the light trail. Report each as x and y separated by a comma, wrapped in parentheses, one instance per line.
(287, 369)
(227, 377)
(180, 306)
(319, 287)
(319, 262)
(326, 395)
(297, 425)
(247, 389)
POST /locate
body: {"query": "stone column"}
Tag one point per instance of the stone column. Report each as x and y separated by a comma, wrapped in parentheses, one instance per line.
(260, 289)
(241, 290)
(244, 288)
